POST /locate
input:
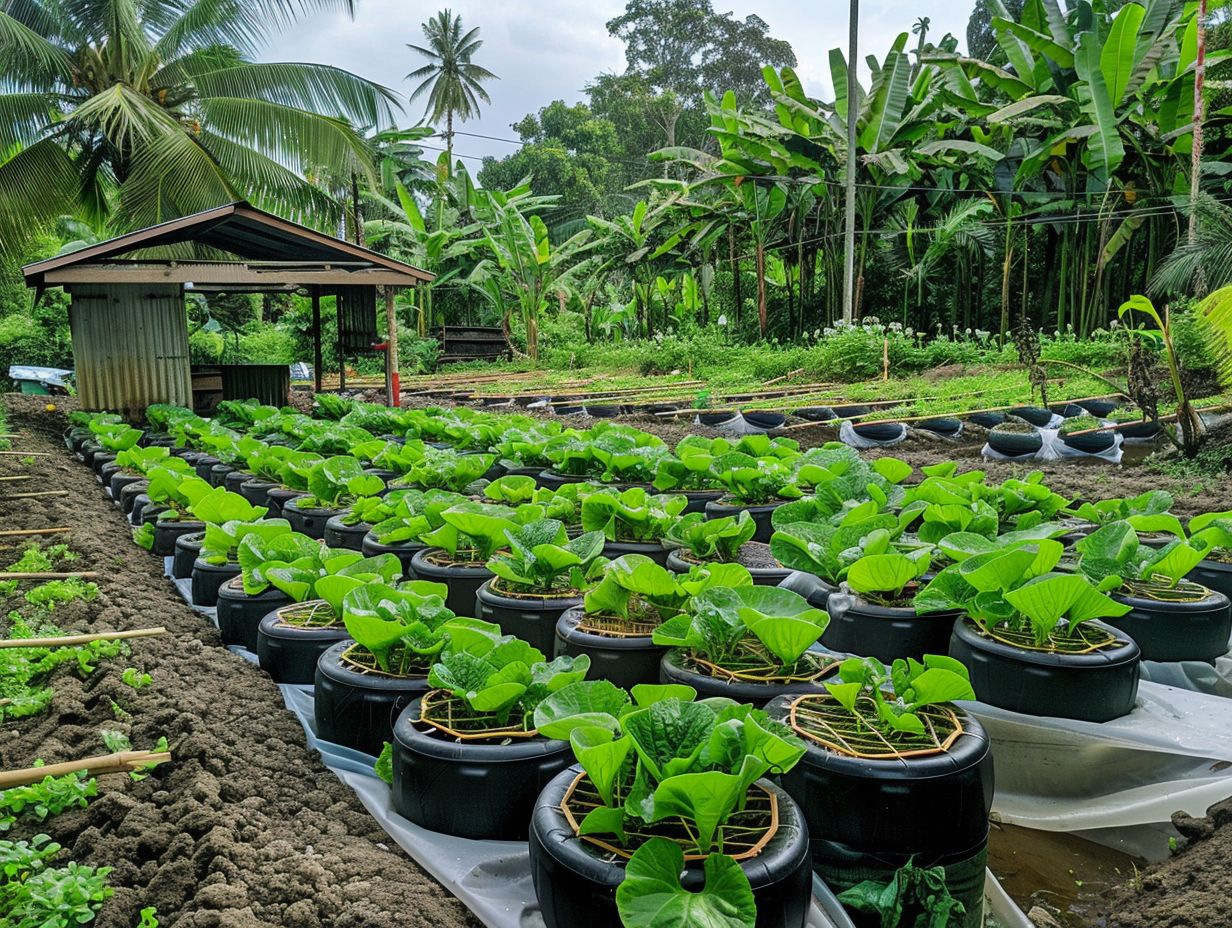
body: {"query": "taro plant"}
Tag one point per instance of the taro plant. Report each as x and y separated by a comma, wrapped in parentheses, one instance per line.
(404, 628)
(709, 540)
(1014, 594)
(493, 683)
(663, 759)
(890, 700)
(337, 482)
(1113, 550)
(631, 515)
(747, 629)
(541, 559)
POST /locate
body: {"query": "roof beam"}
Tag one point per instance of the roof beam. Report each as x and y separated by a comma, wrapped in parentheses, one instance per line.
(226, 275)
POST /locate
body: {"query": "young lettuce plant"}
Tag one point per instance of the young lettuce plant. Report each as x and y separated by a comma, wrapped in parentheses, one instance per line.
(115, 436)
(413, 513)
(631, 515)
(228, 518)
(755, 481)
(139, 460)
(1014, 591)
(443, 469)
(337, 482)
(519, 491)
(1113, 550)
(472, 532)
(1022, 504)
(666, 758)
(517, 448)
(404, 628)
(500, 680)
(297, 468)
(635, 589)
(890, 700)
(307, 570)
(542, 559)
(711, 540)
(733, 628)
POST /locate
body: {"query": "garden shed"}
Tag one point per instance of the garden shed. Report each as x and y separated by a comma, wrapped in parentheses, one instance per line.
(129, 327)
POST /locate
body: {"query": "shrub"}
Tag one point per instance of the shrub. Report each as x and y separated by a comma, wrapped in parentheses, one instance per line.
(262, 343)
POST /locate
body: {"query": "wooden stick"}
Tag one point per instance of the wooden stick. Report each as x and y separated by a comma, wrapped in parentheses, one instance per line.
(70, 641)
(787, 376)
(35, 454)
(49, 575)
(1168, 418)
(36, 495)
(14, 532)
(119, 762)
(19, 477)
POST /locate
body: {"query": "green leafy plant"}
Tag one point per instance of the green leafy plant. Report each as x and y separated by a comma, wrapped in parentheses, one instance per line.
(827, 548)
(444, 469)
(756, 481)
(631, 515)
(889, 699)
(413, 513)
(53, 593)
(403, 627)
(338, 481)
(664, 756)
(1113, 550)
(472, 532)
(651, 895)
(1146, 512)
(712, 539)
(886, 576)
(636, 589)
(306, 570)
(134, 678)
(726, 626)
(543, 559)
(48, 797)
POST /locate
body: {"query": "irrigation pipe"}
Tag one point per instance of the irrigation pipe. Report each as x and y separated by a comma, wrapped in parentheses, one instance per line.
(119, 762)
(71, 641)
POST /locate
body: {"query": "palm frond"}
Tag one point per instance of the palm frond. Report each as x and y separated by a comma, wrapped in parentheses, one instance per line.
(311, 87)
(174, 177)
(1214, 320)
(23, 118)
(1207, 262)
(30, 59)
(37, 184)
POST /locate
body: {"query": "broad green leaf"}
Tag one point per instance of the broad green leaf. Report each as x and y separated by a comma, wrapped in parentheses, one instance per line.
(651, 895)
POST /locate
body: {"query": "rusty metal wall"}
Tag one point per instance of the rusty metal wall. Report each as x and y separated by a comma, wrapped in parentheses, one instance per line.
(130, 346)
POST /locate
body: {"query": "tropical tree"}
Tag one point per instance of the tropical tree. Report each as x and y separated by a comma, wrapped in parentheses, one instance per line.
(131, 112)
(452, 81)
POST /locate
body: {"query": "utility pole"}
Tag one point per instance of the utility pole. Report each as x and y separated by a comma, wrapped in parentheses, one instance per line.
(849, 234)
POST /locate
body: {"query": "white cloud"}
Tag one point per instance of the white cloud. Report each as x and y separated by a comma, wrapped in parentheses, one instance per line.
(545, 50)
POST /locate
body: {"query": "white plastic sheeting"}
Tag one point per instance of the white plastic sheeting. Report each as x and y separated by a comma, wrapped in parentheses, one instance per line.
(848, 435)
(1199, 676)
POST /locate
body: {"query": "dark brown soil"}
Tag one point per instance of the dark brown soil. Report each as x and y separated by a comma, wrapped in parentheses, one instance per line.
(245, 828)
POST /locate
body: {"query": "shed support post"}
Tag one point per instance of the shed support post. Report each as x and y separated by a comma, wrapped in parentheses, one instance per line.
(316, 339)
(341, 354)
(393, 385)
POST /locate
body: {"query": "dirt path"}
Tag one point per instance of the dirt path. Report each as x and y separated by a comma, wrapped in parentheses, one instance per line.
(246, 829)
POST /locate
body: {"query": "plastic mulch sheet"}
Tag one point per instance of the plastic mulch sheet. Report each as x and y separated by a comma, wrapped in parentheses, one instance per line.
(1053, 449)
(848, 435)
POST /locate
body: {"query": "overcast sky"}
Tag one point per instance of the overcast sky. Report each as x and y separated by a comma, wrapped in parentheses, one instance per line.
(546, 50)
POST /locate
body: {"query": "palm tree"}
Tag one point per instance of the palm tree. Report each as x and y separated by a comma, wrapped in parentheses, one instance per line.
(131, 112)
(453, 83)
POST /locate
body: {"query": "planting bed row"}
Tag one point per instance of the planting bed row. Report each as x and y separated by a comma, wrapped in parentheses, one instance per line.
(892, 602)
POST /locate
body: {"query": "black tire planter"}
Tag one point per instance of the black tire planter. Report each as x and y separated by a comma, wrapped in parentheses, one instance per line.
(218, 474)
(101, 459)
(1068, 410)
(651, 549)
(290, 654)
(601, 411)
(1214, 575)
(762, 576)
(75, 437)
(932, 807)
(888, 633)
(404, 551)
(524, 472)
(531, 618)
(765, 421)
(1094, 443)
(277, 497)
(945, 426)
(187, 550)
(307, 521)
(235, 481)
(1198, 630)
(623, 661)
(717, 509)
(1015, 443)
(165, 534)
(1036, 415)
(255, 490)
(470, 789)
(815, 413)
(108, 471)
(338, 534)
(987, 420)
(463, 580)
(815, 591)
(204, 465)
(382, 472)
(1095, 687)
(119, 481)
(576, 881)
(850, 412)
(718, 420)
(357, 710)
(880, 432)
(140, 502)
(1100, 409)
(239, 614)
(673, 670)
(554, 481)
(1139, 430)
(208, 579)
(129, 494)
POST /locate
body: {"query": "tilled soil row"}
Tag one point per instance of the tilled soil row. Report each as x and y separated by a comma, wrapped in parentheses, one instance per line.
(246, 828)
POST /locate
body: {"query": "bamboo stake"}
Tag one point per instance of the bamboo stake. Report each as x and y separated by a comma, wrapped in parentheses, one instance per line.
(786, 376)
(119, 762)
(19, 477)
(14, 532)
(36, 495)
(48, 575)
(33, 454)
(71, 641)
(1171, 417)
(885, 359)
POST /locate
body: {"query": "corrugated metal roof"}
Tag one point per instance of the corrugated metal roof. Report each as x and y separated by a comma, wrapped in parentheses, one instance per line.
(236, 228)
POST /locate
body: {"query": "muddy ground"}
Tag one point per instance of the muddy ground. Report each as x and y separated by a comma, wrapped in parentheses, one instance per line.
(245, 828)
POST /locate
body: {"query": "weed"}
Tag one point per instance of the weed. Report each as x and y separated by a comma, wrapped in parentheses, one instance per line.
(55, 592)
(133, 677)
(50, 796)
(149, 917)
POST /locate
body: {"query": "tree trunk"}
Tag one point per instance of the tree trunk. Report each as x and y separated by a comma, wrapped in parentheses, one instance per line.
(761, 288)
(849, 235)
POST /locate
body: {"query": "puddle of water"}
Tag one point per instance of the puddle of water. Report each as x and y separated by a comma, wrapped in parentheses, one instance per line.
(1066, 874)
